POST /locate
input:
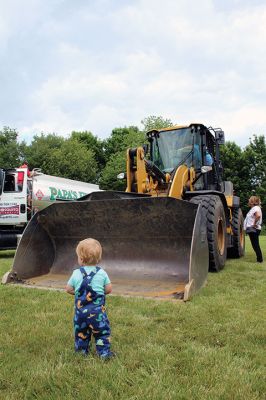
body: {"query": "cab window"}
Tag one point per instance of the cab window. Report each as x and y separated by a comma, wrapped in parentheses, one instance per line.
(13, 182)
(9, 184)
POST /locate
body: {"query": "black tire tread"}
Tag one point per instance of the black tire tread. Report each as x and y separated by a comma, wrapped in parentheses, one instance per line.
(237, 250)
(209, 203)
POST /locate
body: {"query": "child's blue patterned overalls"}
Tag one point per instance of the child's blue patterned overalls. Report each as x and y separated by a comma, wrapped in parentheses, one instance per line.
(91, 318)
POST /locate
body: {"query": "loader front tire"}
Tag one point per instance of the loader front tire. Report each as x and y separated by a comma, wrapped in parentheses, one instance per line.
(238, 239)
(213, 211)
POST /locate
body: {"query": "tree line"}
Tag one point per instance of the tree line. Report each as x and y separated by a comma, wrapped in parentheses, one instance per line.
(85, 157)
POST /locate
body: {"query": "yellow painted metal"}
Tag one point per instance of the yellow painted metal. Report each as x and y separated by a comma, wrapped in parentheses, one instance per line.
(229, 228)
(184, 178)
(174, 127)
(141, 174)
(229, 200)
(192, 177)
(221, 236)
(179, 182)
(129, 174)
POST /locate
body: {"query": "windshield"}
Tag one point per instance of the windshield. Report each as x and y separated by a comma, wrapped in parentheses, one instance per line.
(172, 148)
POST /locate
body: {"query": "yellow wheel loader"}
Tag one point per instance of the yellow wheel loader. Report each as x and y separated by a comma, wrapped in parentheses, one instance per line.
(177, 220)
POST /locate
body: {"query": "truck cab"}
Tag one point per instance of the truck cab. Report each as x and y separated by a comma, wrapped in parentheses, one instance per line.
(23, 193)
(13, 205)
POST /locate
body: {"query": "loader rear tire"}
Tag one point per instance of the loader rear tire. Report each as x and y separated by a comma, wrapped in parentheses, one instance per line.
(214, 213)
(238, 249)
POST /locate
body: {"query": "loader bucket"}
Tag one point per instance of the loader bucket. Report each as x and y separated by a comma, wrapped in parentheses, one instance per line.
(151, 246)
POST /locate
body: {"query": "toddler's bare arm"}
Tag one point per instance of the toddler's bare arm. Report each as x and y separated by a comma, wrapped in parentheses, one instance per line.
(69, 289)
(108, 288)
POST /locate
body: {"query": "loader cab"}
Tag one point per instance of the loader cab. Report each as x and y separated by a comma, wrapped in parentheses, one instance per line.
(176, 146)
(210, 176)
(173, 147)
(194, 146)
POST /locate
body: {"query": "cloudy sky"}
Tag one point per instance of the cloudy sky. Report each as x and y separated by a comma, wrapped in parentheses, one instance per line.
(99, 64)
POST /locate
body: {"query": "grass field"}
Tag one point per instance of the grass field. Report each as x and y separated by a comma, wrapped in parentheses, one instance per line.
(212, 347)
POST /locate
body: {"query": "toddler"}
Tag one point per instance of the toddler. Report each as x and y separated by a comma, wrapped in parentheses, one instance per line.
(90, 284)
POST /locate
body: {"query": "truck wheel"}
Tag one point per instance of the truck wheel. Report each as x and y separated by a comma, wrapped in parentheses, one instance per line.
(213, 210)
(238, 249)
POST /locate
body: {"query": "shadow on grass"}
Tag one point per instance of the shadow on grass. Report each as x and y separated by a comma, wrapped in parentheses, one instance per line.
(7, 253)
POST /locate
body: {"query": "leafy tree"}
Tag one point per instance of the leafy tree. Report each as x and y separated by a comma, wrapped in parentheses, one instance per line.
(10, 149)
(255, 158)
(115, 152)
(74, 161)
(115, 149)
(255, 154)
(246, 169)
(68, 158)
(121, 139)
(154, 122)
(39, 152)
(115, 165)
(92, 143)
(235, 169)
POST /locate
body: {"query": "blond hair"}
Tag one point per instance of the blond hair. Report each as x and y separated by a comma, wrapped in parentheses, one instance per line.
(254, 201)
(89, 251)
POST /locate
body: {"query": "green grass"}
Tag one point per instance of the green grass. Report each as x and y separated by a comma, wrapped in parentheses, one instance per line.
(212, 347)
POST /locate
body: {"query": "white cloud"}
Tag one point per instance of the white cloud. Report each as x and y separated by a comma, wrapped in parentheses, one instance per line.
(103, 64)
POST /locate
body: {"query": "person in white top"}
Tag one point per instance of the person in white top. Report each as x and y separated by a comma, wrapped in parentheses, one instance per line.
(252, 225)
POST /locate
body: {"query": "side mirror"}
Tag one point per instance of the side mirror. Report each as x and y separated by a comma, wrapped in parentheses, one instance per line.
(1, 180)
(121, 176)
(205, 169)
(219, 136)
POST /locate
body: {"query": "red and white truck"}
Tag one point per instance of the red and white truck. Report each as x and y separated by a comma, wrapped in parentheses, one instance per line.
(22, 195)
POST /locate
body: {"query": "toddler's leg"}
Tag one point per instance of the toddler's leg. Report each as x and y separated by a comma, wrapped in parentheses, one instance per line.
(102, 332)
(82, 336)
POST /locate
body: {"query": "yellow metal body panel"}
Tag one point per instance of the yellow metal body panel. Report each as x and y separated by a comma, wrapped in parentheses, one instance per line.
(183, 179)
(129, 174)
(175, 127)
(141, 174)
(179, 182)
(138, 175)
(229, 200)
